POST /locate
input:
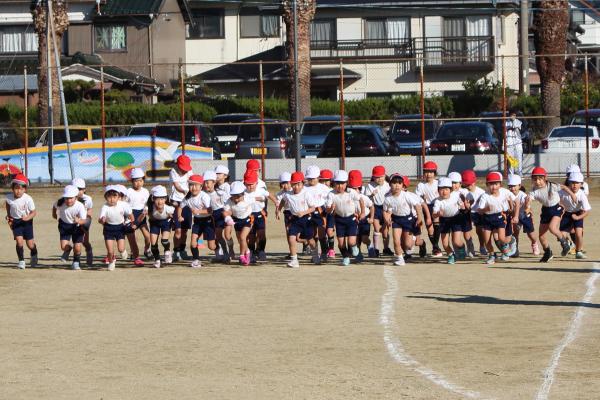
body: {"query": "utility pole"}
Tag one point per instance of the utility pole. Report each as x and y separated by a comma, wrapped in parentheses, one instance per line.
(524, 25)
(296, 88)
(50, 132)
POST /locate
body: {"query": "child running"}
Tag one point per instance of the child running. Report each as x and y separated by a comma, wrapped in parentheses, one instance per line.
(472, 194)
(238, 213)
(364, 225)
(203, 225)
(325, 178)
(160, 218)
(463, 217)
(113, 215)
(525, 222)
(86, 200)
(20, 211)
(178, 176)
(446, 207)
(416, 238)
(71, 215)
(257, 240)
(223, 232)
(137, 197)
(376, 190)
(577, 208)
(319, 193)
(428, 190)
(285, 187)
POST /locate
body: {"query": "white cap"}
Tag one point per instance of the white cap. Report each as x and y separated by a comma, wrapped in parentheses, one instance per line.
(514, 180)
(78, 183)
(285, 177)
(221, 169)
(109, 188)
(70, 191)
(455, 177)
(137, 173)
(159, 191)
(340, 176)
(573, 168)
(237, 187)
(444, 183)
(575, 177)
(209, 175)
(312, 172)
(121, 189)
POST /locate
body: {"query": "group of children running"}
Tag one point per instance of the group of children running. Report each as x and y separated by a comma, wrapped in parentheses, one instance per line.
(318, 209)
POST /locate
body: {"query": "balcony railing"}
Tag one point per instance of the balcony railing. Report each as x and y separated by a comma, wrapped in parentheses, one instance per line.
(361, 49)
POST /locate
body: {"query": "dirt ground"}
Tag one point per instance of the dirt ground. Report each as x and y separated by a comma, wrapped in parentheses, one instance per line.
(370, 331)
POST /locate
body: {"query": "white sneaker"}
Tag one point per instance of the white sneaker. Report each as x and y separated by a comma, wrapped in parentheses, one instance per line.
(168, 257)
(75, 266)
(21, 264)
(124, 255)
(111, 265)
(262, 256)
(293, 263)
(196, 264)
(399, 261)
(156, 263)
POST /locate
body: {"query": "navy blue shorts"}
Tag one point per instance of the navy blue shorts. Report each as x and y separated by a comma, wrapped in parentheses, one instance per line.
(137, 222)
(241, 223)
(550, 212)
(404, 222)
(186, 213)
(204, 227)
(494, 221)
(287, 215)
(477, 219)
(346, 226)
(158, 226)
(72, 232)
(379, 214)
(451, 224)
(260, 221)
(329, 221)
(316, 219)
(567, 223)
(301, 226)
(113, 232)
(416, 229)
(364, 228)
(219, 219)
(22, 228)
(526, 222)
(88, 223)
(465, 220)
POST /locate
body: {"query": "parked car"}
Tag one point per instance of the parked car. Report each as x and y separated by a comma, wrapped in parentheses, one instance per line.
(405, 135)
(196, 133)
(571, 139)
(226, 130)
(465, 138)
(313, 132)
(78, 133)
(495, 118)
(277, 139)
(360, 141)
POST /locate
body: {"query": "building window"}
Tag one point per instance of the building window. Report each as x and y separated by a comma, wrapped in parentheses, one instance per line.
(111, 37)
(322, 32)
(18, 39)
(255, 25)
(208, 24)
(388, 30)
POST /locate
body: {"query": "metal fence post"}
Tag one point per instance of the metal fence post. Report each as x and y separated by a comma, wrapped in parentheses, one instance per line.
(504, 120)
(261, 101)
(342, 112)
(103, 125)
(26, 116)
(422, 105)
(587, 120)
(182, 107)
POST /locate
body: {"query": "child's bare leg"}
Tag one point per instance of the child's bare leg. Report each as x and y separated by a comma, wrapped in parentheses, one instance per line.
(543, 240)
(445, 237)
(578, 239)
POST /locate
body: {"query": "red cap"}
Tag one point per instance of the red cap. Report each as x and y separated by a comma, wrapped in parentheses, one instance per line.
(539, 171)
(184, 163)
(493, 177)
(378, 171)
(355, 178)
(468, 177)
(326, 174)
(406, 181)
(253, 164)
(197, 179)
(251, 176)
(20, 179)
(430, 166)
(297, 177)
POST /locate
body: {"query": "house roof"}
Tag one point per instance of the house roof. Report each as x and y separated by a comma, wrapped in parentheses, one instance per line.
(370, 3)
(126, 8)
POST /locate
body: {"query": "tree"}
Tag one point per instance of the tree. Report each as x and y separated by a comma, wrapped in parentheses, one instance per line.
(61, 23)
(305, 13)
(550, 25)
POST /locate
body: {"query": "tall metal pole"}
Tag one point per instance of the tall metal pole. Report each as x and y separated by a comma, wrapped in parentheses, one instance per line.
(103, 125)
(26, 107)
(50, 132)
(504, 121)
(524, 25)
(296, 88)
(587, 121)
(261, 100)
(422, 113)
(182, 107)
(342, 115)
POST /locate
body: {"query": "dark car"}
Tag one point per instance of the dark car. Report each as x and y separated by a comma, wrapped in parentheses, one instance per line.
(9, 138)
(276, 135)
(226, 128)
(465, 138)
(313, 132)
(405, 135)
(495, 118)
(360, 141)
(196, 133)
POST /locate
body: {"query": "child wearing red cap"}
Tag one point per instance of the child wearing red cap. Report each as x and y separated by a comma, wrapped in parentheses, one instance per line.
(238, 214)
(364, 224)
(325, 178)
(473, 193)
(257, 240)
(254, 165)
(376, 190)
(418, 222)
(319, 193)
(20, 211)
(428, 190)
(203, 225)
(446, 207)
(525, 218)
(179, 176)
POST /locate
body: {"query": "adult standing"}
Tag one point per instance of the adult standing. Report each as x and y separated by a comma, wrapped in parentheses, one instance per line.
(514, 144)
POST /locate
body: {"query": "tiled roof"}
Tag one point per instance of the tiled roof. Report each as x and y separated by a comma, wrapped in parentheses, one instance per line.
(128, 7)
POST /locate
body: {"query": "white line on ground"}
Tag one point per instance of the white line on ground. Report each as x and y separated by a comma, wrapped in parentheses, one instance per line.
(574, 326)
(394, 346)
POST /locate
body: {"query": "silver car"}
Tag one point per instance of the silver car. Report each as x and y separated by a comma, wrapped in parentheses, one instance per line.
(277, 139)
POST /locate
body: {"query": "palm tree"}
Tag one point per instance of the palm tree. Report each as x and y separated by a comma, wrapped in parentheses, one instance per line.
(305, 14)
(61, 23)
(550, 25)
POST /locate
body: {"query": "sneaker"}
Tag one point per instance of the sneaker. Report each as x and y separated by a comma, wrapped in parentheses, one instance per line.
(388, 252)
(564, 244)
(516, 255)
(168, 257)
(572, 250)
(483, 251)
(262, 256)
(33, 262)
(360, 257)
(64, 258)
(355, 251)
(242, 259)
(156, 263)
(331, 254)
(547, 255)
(248, 258)
(580, 255)
(148, 254)
(437, 253)
(306, 250)
(106, 260)
(288, 257)
(112, 265)
(535, 249)
(293, 263)
(399, 261)
(451, 259)
(175, 257)
(471, 254)
(323, 257)
(89, 258)
(124, 255)
(491, 260)
(423, 250)
(346, 261)
(316, 259)
(21, 264)
(460, 253)
(407, 256)
(75, 266)
(512, 247)
(196, 264)
(504, 257)
(184, 255)
(138, 262)
(371, 252)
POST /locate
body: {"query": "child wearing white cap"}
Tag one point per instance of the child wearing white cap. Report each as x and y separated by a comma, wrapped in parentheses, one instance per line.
(160, 218)
(525, 222)
(577, 207)
(113, 215)
(71, 215)
(575, 168)
(89, 205)
(217, 202)
(463, 217)
(285, 188)
(137, 197)
(238, 213)
(20, 211)
(319, 193)
(446, 207)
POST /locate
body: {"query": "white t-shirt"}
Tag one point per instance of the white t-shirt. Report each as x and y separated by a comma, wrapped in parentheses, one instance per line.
(582, 203)
(87, 201)
(20, 207)
(182, 180)
(199, 202)
(258, 205)
(216, 201)
(70, 214)
(473, 198)
(547, 196)
(497, 204)
(300, 202)
(319, 193)
(279, 196)
(447, 207)
(166, 213)
(138, 198)
(368, 204)
(520, 198)
(344, 203)
(240, 210)
(586, 188)
(428, 191)
(377, 192)
(401, 205)
(116, 214)
(417, 200)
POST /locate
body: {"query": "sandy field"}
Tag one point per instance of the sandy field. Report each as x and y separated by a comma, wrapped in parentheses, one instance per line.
(516, 330)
